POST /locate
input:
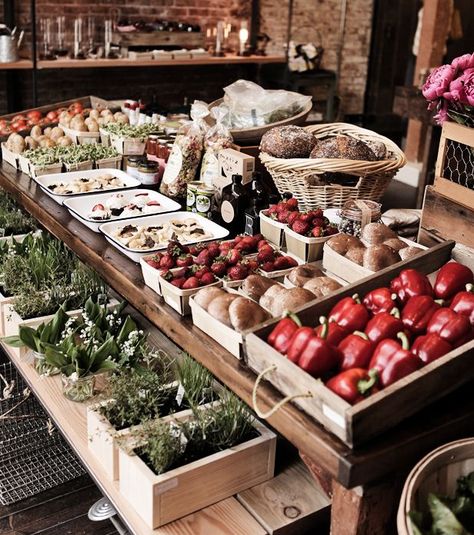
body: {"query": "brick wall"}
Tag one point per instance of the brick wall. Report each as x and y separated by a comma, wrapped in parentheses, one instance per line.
(309, 18)
(319, 21)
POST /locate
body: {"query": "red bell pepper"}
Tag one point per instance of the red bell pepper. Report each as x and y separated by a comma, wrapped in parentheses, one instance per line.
(319, 357)
(380, 300)
(350, 314)
(356, 350)
(451, 279)
(384, 325)
(410, 283)
(335, 333)
(298, 343)
(454, 328)
(430, 347)
(394, 361)
(281, 335)
(463, 303)
(417, 313)
(354, 384)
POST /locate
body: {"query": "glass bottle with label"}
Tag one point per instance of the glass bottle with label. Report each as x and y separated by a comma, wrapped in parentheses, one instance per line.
(234, 201)
(258, 202)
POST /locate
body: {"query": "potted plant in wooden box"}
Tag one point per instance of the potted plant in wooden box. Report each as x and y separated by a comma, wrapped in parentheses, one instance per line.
(136, 396)
(169, 469)
(13, 221)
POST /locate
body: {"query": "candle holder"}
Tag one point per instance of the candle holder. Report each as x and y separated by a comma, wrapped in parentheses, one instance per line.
(243, 39)
(78, 51)
(219, 39)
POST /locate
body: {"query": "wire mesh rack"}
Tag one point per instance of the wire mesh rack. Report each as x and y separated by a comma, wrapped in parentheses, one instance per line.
(458, 164)
(33, 455)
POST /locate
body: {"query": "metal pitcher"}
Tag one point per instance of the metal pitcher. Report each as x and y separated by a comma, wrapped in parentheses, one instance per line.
(9, 44)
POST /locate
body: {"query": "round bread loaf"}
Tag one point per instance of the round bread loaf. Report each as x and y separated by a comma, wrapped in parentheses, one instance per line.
(343, 147)
(288, 142)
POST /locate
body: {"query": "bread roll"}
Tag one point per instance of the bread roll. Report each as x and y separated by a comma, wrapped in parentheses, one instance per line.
(254, 286)
(219, 307)
(377, 257)
(290, 299)
(356, 255)
(206, 295)
(377, 233)
(343, 147)
(288, 142)
(302, 274)
(266, 301)
(409, 252)
(396, 244)
(341, 243)
(245, 314)
(321, 286)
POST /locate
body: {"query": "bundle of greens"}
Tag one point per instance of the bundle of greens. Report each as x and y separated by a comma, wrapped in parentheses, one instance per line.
(448, 515)
(12, 219)
(69, 154)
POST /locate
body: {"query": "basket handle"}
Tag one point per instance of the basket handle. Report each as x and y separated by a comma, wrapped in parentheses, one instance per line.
(280, 404)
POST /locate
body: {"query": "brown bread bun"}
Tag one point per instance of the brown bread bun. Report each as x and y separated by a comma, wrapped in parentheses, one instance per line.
(343, 147)
(254, 286)
(245, 314)
(302, 274)
(206, 295)
(288, 142)
(409, 252)
(356, 255)
(377, 233)
(396, 244)
(290, 299)
(377, 257)
(321, 286)
(219, 307)
(266, 301)
(341, 243)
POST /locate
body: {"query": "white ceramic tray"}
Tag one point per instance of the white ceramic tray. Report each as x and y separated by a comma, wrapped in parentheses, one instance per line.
(107, 229)
(81, 206)
(46, 180)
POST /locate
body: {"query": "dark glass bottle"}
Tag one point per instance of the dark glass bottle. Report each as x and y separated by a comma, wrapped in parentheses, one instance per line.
(258, 202)
(234, 201)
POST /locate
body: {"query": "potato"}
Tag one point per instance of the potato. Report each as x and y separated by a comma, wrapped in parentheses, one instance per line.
(122, 119)
(31, 142)
(219, 308)
(245, 314)
(204, 297)
(47, 142)
(101, 121)
(93, 126)
(94, 114)
(77, 123)
(36, 132)
(106, 112)
(47, 131)
(16, 143)
(64, 141)
(56, 133)
(66, 121)
(107, 119)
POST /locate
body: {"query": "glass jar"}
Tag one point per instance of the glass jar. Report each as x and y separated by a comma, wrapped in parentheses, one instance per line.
(148, 173)
(132, 165)
(355, 214)
(78, 388)
(152, 145)
(41, 366)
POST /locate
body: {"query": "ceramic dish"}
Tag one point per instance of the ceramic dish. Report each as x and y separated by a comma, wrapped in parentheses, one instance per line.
(81, 206)
(214, 231)
(45, 181)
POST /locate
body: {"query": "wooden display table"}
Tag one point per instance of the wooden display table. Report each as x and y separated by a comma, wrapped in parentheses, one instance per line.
(362, 482)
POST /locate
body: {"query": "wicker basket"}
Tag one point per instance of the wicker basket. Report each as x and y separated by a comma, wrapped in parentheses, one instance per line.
(291, 175)
(436, 473)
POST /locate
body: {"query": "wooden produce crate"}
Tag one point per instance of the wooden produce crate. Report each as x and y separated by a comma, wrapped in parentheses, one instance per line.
(303, 247)
(128, 146)
(160, 499)
(273, 231)
(109, 163)
(9, 156)
(82, 138)
(177, 298)
(356, 424)
(454, 175)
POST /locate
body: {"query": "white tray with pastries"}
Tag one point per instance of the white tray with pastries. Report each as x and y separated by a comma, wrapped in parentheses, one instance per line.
(144, 235)
(352, 259)
(61, 186)
(93, 210)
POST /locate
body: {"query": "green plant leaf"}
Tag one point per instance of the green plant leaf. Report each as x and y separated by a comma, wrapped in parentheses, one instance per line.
(57, 325)
(128, 327)
(444, 520)
(13, 341)
(29, 337)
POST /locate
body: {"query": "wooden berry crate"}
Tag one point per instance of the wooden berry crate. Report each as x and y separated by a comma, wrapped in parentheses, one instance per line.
(177, 298)
(306, 248)
(160, 499)
(272, 230)
(356, 424)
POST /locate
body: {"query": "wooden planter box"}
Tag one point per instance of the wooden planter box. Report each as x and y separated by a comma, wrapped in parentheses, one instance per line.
(356, 424)
(109, 163)
(305, 248)
(82, 138)
(128, 146)
(35, 170)
(160, 499)
(80, 166)
(273, 231)
(150, 275)
(9, 156)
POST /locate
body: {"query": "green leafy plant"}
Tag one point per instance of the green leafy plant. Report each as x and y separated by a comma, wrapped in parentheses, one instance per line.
(197, 381)
(12, 219)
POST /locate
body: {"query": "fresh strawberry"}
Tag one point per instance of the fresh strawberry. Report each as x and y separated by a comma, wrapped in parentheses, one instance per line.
(190, 284)
(268, 266)
(207, 278)
(281, 263)
(98, 207)
(200, 271)
(167, 261)
(214, 250)
(181, 272)
(154, 261)
(281, 206)
(300, 226)
(238, 272)
(331, 230)
(292, 217)
(179, 283)
(176, 249)
(261, 244)
(252, 265)
(306, 217)
(283, 216)
(318, 222)
(203, 258)
(266, 254)
(219, 268)
(166, 274)
(272, 211)
(233, 257)
(319, 214)
(317, 232)
(195, 249)
(184, 260)
(292, 204)
(237, 239)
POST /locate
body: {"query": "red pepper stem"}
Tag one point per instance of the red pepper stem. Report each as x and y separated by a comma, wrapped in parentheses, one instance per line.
(356, 298)
(470, 288)
(361, 334)
(324, 331)
(404, 340)
(394, 297)
(439, 301)
(323, 320)
(395, 313)
(292, 316)
(365, 385)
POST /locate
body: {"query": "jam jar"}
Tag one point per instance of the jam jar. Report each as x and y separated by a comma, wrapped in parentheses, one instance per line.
(149, 173)
(132, 165)
(355, 214)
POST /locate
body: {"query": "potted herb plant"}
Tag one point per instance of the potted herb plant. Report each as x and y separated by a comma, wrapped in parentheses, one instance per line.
(13, 221)
(165, 465)
(136, 396)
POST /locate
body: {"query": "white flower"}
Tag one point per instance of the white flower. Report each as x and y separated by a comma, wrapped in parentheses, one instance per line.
(74, 377)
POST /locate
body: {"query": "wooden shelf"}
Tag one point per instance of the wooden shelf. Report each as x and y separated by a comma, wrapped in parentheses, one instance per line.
(97, 63)
(396, 450)
(17, 65)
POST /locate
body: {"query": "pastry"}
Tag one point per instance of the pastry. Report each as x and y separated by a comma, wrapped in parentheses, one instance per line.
(288, 142)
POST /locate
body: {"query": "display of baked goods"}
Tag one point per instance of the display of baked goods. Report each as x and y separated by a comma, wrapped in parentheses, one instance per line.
(277, 299)
(100, 182)
(288, 142)
(120, 205)
(302, 274)
(147, 237)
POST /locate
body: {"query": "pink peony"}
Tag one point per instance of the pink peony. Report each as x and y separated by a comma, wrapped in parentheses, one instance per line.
(438, 82)
(442, 114)
(466, 61)
(462, 89)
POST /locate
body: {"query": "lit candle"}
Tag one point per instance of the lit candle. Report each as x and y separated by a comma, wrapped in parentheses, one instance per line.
(243, 37)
